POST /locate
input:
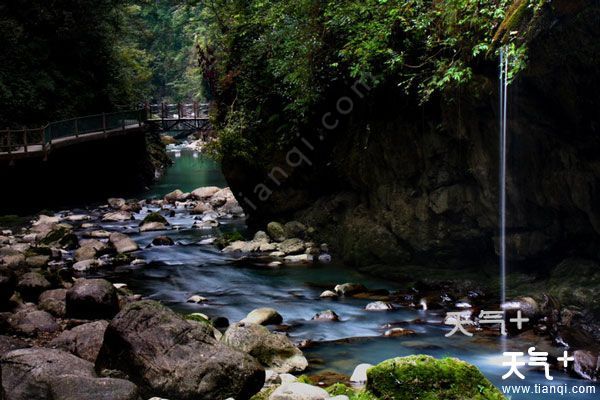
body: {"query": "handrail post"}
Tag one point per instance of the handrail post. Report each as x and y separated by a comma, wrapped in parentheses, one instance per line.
(76, 128)
(123, 121)
(103, 122)
(8, 140)
(195, 110)
(25, 139)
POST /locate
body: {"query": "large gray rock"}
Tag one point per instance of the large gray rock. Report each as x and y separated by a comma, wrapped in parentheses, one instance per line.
(42, 374)
(274, 351)
(32, 322)
(586, 364)
(292, 246)
(263, 316)
(92, 299)
(299, 391)
(176, 195)
(9, 343)
(31, 285)
(123, 243)
(169, 357)
(117, 216)
(204, 193)
(276, 231)
(348, 289)
(54, 302)
(90, 249)
(84, 341)
(295, 229)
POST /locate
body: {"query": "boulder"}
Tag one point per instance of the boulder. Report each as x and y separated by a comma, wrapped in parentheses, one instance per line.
(292, 246)
(8, 283)
(221, 197)
(169, 357)
(295, 229)
(32, 322)
(98, 234)
(31, 285)
(348, 289)
(86, 265)
(379, 306)
(116, 203)
(54, 302)
(154, 217)
(328, 294)
(204, 193)
(299, 391)
(92, 299)
(201, 208)
(359, 375)
(11, 259)
(117, 216)
(123, 243)
(52, 234)
(276, 231)
(396, 332)
(9, 343)
(162, 241)
(586, 364)
(272, 350)
(152, 227)
(89, 249)
(298, 259)
(327, 315)
(84, 341)
(263, 316)
(176, 195)
(42, 374)
(424, 377)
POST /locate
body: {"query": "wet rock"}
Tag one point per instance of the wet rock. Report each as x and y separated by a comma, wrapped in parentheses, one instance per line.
(292, 246)
(272, 350)
(231, 207)
(176, 195)
(31, 285)
(92, 299)
(528, 306)
(54, 302)
(360, 373)
(116, 203)
(98, 234)
(240, 246)
(204, 193)
(298, 259)
(8, 283)
(420, 378)
(162, 241)
(41, 374)
(348, 289)
(86, 265)
(169, 357)
(123, 243)
(37, 261)
(379, 306)
(117, 216)
(84, 341)
(154, 217)
(90, 248)
(70, 387)
(31, 322)
(197, 299)
(328, 294)
(268, 247)
(262, 236)
(396, 332)
(9, 343)
(11, 258)
(299, 391)
(201, 208)
(221, 197)
(263, 316)
(152, 227)
(276, 231)
(327, 315)
(294, 229)
(586, 364)
(55, 234)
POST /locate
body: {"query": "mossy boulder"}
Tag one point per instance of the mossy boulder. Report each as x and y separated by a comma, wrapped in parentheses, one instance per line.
(154, 217)
(426, 378)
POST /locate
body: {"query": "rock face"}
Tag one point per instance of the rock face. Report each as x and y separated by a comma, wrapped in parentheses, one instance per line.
(274, 351)
(41, 374)
(420, 377)
(169, 357)
(84, 341)
(396, 191)
(92, 299)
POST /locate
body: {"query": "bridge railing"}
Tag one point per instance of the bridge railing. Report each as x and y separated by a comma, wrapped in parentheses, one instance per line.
(177, 111)
(23, 140)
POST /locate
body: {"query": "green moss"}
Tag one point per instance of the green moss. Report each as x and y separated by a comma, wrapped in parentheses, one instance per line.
(227, 238)
(340, 389)
(198, 318)
(305, 379)
(426, 378)
(154, 217)
(56, 235)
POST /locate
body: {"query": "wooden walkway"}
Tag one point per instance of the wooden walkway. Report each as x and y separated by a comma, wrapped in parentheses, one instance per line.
(39, 142)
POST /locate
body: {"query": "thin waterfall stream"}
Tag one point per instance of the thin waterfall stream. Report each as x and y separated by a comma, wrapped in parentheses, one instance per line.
(504, 60)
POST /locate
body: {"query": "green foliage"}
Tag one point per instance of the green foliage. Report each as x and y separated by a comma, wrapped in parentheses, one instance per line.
(197, 318)
(154, 217)
(233, 139)
(340, 389)
(424, 377)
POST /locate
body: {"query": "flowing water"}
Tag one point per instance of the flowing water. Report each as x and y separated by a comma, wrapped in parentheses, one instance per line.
(235, 288)
(502, 168)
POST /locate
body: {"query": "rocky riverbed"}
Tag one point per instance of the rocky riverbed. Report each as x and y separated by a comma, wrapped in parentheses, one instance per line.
(78, 291)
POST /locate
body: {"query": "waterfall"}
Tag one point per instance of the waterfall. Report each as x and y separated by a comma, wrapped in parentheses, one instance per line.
(502, 171)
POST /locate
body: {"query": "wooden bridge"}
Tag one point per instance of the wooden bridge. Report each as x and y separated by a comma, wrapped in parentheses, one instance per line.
(183, 119)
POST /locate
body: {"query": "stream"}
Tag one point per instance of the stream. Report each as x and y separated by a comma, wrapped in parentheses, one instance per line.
(233, 289)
